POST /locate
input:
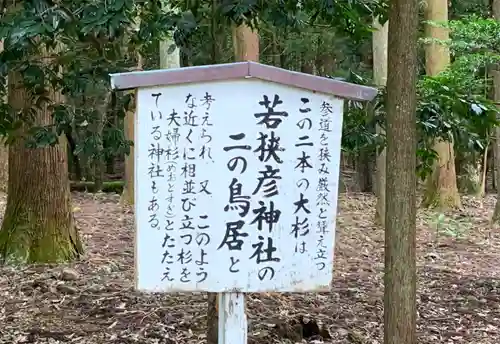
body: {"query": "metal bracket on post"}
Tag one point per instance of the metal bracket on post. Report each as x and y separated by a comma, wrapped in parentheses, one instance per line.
(233, 324)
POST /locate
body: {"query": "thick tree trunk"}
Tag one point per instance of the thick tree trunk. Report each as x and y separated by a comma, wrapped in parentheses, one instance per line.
(474, 168)
(441, 188)
(496, 84)
(379, 44)
(38, 224)
(400, 216)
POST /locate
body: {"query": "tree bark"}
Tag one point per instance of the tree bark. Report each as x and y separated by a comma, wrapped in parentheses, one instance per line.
(306, 64)
(128, 194)
(128, 127)
(400, 216)
(441, 186)
(38, 224)
(363, 164)
(496, 96)
(169, 60)
(98, 161)
(4, 154)
(379, 44)
(213, 319)
(246, 43)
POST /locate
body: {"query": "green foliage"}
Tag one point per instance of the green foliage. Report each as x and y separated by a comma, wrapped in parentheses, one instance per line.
(87, 40)
(353, 17)
(70, 47)
(455, 104)
(450, 108)
(360, 121)
(463, 8)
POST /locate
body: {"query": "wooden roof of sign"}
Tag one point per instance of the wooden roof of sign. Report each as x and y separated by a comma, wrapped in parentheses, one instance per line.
(241, 70)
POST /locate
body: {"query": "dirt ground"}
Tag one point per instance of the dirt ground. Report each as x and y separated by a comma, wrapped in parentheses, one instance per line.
(93, 301)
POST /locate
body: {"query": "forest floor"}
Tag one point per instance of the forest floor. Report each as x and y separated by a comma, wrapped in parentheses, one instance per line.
(93, 301)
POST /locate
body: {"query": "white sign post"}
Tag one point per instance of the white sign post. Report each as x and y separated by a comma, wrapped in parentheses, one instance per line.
(236, 183)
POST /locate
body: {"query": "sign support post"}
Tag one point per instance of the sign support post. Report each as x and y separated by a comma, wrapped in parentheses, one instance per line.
(233, 326)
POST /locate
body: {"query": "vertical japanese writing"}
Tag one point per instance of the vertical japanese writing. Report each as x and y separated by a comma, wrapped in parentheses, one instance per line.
(188, 176)
(300, 227)
(202, 236)
(155, 154)
(235, 194)
(267, 215)
(173, 156)
(322, 198)
(238, 202)
(158, 170)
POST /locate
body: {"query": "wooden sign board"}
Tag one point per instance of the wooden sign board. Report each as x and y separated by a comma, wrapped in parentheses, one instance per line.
(236, 185)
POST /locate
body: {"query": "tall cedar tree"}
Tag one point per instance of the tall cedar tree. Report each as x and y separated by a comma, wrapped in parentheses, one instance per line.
(496, 85)
(38, 224)
(441, 189)
(379, 44)
(400, 267)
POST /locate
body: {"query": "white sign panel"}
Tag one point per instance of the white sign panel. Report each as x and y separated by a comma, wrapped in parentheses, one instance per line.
(236, 187)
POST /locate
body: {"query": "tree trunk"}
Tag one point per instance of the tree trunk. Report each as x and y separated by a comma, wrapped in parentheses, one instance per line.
(379, 44)
(128, 188)
(496, 85)
(128, 126)
(4, 154)
(474, 178)
(246, 43)
(329, 64)
(38, 224)
(364, 166)
(441, 188)
(101, 107)
(213, 319)
(277, 49)
(4, 166)
(217, 34)
(110, 165)
(75, 159)
(400, 216)
(306, 65)
(167, 60)
(284, 55)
